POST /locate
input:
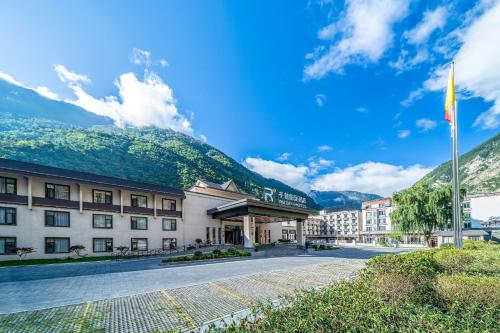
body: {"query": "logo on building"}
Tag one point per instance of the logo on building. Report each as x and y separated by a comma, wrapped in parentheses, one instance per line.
(284, 198)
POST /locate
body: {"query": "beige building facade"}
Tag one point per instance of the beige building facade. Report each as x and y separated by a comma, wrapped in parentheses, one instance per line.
(51, 209)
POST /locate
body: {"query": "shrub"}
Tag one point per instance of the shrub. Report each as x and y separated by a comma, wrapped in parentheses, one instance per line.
(469, 289)
(322, 247)
(420, 263)
(446, 246)
(474, 245)
(217, 252)
(454, 261)
(232, 251)
(198, 254)
(395, 287)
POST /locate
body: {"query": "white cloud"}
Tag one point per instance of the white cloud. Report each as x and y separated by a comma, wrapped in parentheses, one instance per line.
(46, 92)
(403, 134)
(66, 75)
(324, 148)
(477, 63)
(140, 57)
(139, 103)
(412, 97)
(203, 138)
(370, 177)
(365, 30)
(283, 157)
(426, 124)
(407, 61)
(41, 90)
(431, 21)
(320, 99)
(362, 109)
(295, 176)
(164, 63)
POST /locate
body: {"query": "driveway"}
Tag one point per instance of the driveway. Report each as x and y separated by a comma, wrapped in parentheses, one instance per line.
(47, 286)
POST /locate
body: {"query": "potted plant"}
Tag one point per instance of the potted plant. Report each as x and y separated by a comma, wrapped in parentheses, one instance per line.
(198, 242)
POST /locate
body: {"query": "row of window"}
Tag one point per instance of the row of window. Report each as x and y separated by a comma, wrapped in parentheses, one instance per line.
(62, 192)
(99, 221)
(62, 244)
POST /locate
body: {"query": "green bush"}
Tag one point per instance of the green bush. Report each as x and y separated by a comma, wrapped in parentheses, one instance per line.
(474, 245)
(217, 252)
(469, 289)
(446, 246)
(419, 263)
(322, 247)
(198, 254)
(454, 261)
(232, 251)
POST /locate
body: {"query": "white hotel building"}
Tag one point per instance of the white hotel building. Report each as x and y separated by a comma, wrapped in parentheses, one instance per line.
(51, 209)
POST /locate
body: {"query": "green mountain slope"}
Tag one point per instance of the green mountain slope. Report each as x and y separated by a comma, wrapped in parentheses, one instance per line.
(332, 199)
(152, 155)
(479, 168)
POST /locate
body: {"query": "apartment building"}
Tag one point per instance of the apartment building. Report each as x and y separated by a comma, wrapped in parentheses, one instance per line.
(51, 209)
(481, 210)
(376, 220)
(342, 224)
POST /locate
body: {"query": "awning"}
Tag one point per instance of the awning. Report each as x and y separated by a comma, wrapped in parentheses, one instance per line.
(258, 208)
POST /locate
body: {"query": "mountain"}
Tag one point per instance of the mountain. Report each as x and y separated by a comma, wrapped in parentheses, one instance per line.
(20, 102)
(35, 129)
(332, 199)
(479, 168)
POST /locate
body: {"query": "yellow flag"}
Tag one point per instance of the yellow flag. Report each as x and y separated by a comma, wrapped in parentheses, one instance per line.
(450, 96)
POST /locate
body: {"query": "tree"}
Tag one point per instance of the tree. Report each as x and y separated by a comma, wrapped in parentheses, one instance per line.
(78, 250)
(423, 208)
(23, 251)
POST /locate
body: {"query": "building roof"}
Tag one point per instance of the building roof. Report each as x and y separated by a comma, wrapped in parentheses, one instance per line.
(38, 170)
(341, 209)
(465, 232)
(222, 187)
(381, 200)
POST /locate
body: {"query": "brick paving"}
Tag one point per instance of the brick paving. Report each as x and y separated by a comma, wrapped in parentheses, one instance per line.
(178, 308)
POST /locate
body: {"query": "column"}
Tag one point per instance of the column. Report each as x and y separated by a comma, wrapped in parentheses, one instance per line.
(154, 206)
(80, 198)
(301, 239)
(247, 232)
(121, 202)
(30, 195)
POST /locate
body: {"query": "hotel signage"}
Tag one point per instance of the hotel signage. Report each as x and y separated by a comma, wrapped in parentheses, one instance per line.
(284, 198)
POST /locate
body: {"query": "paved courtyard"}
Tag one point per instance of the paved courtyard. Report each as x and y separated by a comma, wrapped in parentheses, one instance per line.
(158, 298)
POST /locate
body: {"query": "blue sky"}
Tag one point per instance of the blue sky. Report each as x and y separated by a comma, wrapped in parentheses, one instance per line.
(326, 95)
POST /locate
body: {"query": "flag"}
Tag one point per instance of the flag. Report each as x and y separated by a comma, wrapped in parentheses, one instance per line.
(450, 97)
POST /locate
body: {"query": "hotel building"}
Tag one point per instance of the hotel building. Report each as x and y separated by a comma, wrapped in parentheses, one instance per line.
(341, 224)
(376, 220)
(51, 209)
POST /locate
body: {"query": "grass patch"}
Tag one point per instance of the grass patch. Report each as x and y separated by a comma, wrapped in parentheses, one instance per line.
(25, 262)
(215, 254)
(438, 290)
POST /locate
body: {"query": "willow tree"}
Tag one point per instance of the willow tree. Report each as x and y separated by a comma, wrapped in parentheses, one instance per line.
(422, 209)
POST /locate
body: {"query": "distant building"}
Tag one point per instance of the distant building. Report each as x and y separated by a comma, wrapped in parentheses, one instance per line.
(376, 219)
(481, 210)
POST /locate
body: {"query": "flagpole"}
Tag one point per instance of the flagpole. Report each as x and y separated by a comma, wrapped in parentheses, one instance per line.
(457, 225)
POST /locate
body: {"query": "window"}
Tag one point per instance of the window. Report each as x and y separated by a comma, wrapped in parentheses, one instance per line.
(56, 245)
(54, 191)
(138, 201)
(7, 216)
(102, 197)
(220, 235)
(8, 245)
(56, 219)
(292, 234)
(139, 223)
(467, 204)
(284, 234)
(103, 245)
(139, 244)
(169, 204)
(466, 215)
(474, 238)
(447, 239)
(214, 240)
(208, 234)
(101, 221)
(8, 185)
(169, 243)
(169, 224)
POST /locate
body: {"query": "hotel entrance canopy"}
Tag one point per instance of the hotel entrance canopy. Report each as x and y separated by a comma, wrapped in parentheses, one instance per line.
(259, 208)
(252, 212)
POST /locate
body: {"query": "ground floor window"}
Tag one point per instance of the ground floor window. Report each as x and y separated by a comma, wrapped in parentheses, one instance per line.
(292, 234)
(284, 234)
(139, 244)
(214, 239)
(103, 245)
(474, 238)
(169, 243)
(447, 239)
(208, 235)
(7, 215)
(56, 245)
(220, 235)
(233, 235)
(8, 245)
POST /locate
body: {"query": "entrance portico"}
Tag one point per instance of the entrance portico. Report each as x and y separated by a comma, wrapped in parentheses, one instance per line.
(253, 215)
